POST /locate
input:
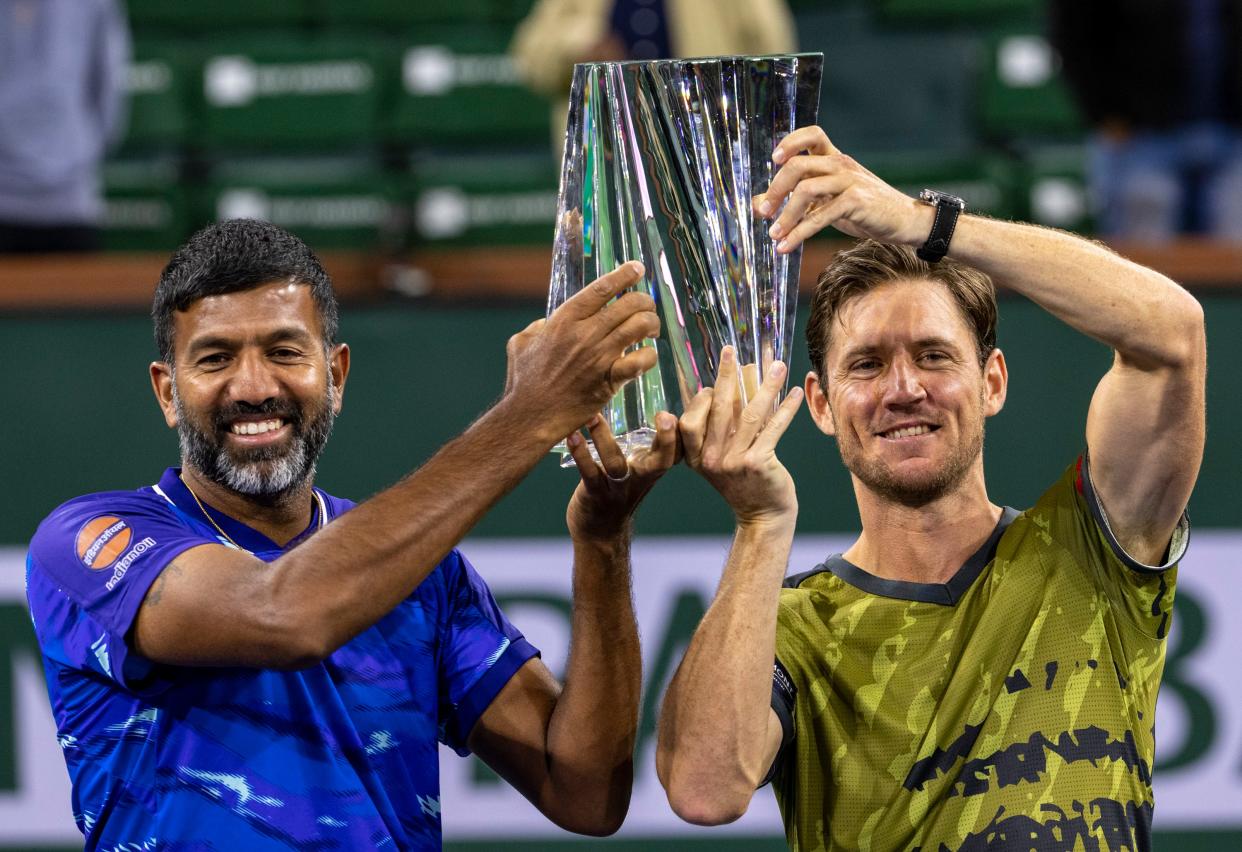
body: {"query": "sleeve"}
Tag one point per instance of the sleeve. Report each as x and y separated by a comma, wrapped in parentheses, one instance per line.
(552, 37)
(1086, 63)
(773, 27)
(784, 696)
(90, 565)
(1144, 591)
(789, 676)
(112, 52)
(479, 651)
(1080, 522)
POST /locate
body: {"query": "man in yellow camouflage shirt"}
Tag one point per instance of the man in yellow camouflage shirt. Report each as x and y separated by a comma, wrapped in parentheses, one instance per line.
(964, 676)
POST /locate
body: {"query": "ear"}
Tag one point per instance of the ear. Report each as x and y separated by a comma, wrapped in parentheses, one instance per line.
(162, 385)
(338, 363)
(995, 383)
(817, 403)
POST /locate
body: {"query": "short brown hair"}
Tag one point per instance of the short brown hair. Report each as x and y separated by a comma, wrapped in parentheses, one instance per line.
(869, 264)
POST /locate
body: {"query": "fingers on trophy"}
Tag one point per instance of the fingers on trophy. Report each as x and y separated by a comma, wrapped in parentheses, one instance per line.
(609, 467)
(721, 434)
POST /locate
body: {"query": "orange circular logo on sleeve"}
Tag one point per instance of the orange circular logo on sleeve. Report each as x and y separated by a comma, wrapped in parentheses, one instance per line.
(102, 540)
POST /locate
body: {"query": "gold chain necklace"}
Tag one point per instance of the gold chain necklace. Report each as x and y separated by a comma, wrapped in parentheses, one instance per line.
(323, 514)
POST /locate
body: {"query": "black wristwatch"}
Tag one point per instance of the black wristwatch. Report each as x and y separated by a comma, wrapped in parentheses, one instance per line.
(948, 208)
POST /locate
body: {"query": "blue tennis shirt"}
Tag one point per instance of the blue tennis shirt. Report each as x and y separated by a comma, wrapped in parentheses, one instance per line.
(341, 755)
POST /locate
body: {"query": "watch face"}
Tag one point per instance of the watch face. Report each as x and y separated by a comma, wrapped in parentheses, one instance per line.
(934, 196)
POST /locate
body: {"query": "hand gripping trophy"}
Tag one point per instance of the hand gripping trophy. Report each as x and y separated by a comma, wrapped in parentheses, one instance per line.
(661, 161)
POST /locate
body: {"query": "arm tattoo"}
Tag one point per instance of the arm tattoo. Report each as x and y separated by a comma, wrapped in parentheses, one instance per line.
(156, 592)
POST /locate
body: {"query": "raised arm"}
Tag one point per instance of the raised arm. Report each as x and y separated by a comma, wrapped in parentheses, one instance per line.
(571, 750)
(1145, 427)
(217, 606)
(718, 734)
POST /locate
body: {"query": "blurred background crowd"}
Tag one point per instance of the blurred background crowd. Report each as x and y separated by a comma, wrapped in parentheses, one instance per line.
(387, 125)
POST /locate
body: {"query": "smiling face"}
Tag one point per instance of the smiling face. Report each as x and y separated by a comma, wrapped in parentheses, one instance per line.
(903, 391)
(253, 393)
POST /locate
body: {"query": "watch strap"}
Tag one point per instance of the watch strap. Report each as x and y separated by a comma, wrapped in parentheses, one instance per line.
(948, 209)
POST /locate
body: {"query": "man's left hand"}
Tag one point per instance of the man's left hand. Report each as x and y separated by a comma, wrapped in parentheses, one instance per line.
(827, 188)
(611, 489)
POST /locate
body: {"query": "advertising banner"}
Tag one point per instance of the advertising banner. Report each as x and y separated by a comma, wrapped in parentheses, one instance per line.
(1198, 776)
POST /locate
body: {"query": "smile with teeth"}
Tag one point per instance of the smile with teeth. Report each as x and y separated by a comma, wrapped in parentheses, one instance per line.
(908, 431)
(256, 428)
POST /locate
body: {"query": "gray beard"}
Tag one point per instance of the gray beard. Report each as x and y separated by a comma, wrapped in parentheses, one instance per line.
(265, 474)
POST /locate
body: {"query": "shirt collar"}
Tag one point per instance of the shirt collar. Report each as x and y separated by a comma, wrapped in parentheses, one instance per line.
(245, 536)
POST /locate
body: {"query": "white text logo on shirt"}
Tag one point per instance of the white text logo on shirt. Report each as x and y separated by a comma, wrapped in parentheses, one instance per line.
(122, 565)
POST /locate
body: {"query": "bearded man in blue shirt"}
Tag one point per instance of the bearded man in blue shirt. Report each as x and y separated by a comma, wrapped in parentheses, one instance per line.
(238, 659)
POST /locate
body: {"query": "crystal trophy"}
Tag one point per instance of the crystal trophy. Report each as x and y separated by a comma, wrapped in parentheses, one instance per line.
(661, 161)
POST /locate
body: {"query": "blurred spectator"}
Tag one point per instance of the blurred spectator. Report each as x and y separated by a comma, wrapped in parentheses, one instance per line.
(1161, 83)
(62, 67)
(557, 34)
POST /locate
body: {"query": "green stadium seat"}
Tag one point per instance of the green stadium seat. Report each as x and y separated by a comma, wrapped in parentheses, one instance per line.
(1053, 182)
(331, 204)
(158, 84)
(397, 13)
(515, 10)
(987, 182)
(957, 12)
(460, 86)
(146, 206)
(1022, 93)
(483, 200)
(197, 15)
(282, 92)
(890, 89)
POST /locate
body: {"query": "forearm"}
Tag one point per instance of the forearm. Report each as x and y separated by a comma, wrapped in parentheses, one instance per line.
(713, 726)
(1150, 321)
(593, 726)
(355, 570)
(1145, 423)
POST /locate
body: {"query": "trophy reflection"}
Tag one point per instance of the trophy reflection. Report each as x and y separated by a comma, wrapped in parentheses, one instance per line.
(661, 161)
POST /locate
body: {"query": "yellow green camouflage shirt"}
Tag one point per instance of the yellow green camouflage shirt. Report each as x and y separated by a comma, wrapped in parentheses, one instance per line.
(1011, 708)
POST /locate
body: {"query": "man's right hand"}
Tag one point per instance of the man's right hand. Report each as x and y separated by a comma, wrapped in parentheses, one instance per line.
(718, 734)
(827, 188)
(564, 369)
(734, 448)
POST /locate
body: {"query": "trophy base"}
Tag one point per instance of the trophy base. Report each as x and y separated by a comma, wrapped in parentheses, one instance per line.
(630, 443)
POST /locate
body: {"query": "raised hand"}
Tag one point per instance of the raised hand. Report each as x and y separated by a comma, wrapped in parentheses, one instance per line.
(827, 188)
(734, 448)
(611, 489)
(566, 368)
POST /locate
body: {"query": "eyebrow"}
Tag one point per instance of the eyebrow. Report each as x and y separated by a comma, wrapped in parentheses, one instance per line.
(932, 342)
(291, 333)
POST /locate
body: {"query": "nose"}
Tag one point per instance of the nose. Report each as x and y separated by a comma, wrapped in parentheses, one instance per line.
(903, 385)
(253, 381)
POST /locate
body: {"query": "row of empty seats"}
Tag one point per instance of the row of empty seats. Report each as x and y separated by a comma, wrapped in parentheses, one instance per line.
(280, 91)
(482, 200)
(194, 15)
(373, 124)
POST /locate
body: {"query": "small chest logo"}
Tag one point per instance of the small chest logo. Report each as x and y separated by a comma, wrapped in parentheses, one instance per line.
(102, 540)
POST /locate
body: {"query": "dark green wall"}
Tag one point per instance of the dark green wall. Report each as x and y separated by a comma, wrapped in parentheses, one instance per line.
(79, 416)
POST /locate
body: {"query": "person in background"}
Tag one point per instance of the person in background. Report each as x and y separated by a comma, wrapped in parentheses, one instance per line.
(557, 34)
(1161, 84)
(62, 80)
